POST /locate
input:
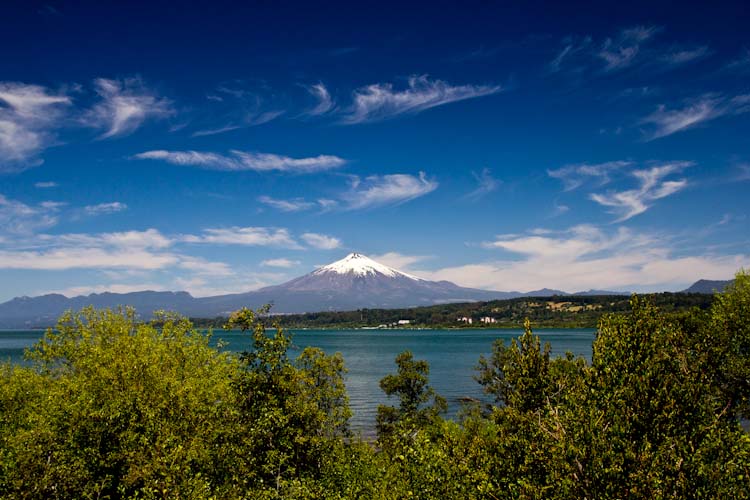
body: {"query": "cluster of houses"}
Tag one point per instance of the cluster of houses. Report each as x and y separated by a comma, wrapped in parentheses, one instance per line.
(397, 324)
(469, 321)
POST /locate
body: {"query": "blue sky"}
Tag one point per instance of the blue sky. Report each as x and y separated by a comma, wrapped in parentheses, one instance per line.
(219, 148)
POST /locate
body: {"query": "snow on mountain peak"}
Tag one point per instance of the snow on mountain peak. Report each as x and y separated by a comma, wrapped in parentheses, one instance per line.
(361, 265)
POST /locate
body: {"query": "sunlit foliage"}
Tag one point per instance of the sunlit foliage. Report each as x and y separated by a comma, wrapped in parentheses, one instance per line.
(111, 407)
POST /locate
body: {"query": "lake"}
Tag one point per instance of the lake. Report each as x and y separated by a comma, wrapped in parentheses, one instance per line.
(369, 355)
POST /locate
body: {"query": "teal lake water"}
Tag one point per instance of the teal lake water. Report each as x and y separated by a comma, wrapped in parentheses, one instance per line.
(369, 355)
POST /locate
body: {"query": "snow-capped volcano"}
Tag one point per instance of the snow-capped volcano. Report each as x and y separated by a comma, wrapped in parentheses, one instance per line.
(357, 281)
(354, 282)
(361, 265)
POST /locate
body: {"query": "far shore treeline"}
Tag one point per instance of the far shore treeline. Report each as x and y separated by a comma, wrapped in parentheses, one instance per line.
(112, 407)
(556, 311)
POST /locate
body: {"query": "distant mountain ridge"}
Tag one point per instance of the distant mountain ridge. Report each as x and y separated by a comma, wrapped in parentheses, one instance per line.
(354, 282)
(708, 286)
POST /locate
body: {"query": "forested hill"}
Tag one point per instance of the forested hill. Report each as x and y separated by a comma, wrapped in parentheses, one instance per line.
(571, 311)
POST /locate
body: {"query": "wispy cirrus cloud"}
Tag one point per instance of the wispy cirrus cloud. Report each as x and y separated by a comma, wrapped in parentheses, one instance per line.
(321, 241)
(381, 101)
(249, 120)
(239, 104)
(392, 189)
(327, 204)
(292, 205)
(485, 184)
(572, 47)
(283, 263)
(28, 116)
(299, 204)
(105, 208)
(216, 131)
(370, 192)
(664, 121)
(244, 160)
(628, 48)
(324, 100)
(652, 186)
(124, 106)
(620, 51)
(576, 175)
(685, 55)
(558, 209)
(247, 236)
(612, 54)
(18, 218)
(45, 184)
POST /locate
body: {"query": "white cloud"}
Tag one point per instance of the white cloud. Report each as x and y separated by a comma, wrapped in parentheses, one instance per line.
(373, 191)
(150, 238)
(18, 218)
(250, 119)
(321, 241)
(299, 204)
(398, 260)
(45, 184)
(264, 162)
(631, 202)
(323, 97)
(207, 286)
(118, 255)
(326, 204)
(248, 236)
(390, 189)
(293, 205)
(254, 119)
(203, 267)
(686, 55)
(28, 115)
(574, 176)
(559, 209)
(105, 208)
(485, 184)
(216, 131)
(242, 160)
(29, 101)
(556, 64)
(620, 52)
(90, 258)
(586, 257)
(708, 107)
(284, 263)
(380, 101)
(630, 47)
(124, 106)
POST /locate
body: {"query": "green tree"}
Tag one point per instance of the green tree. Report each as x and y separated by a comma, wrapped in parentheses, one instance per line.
(649, 425)
(419, 405)
(112, 407)
(724, 341)
(293, 414)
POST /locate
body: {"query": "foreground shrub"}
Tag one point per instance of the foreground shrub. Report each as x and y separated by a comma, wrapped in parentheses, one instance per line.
(113, 408)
